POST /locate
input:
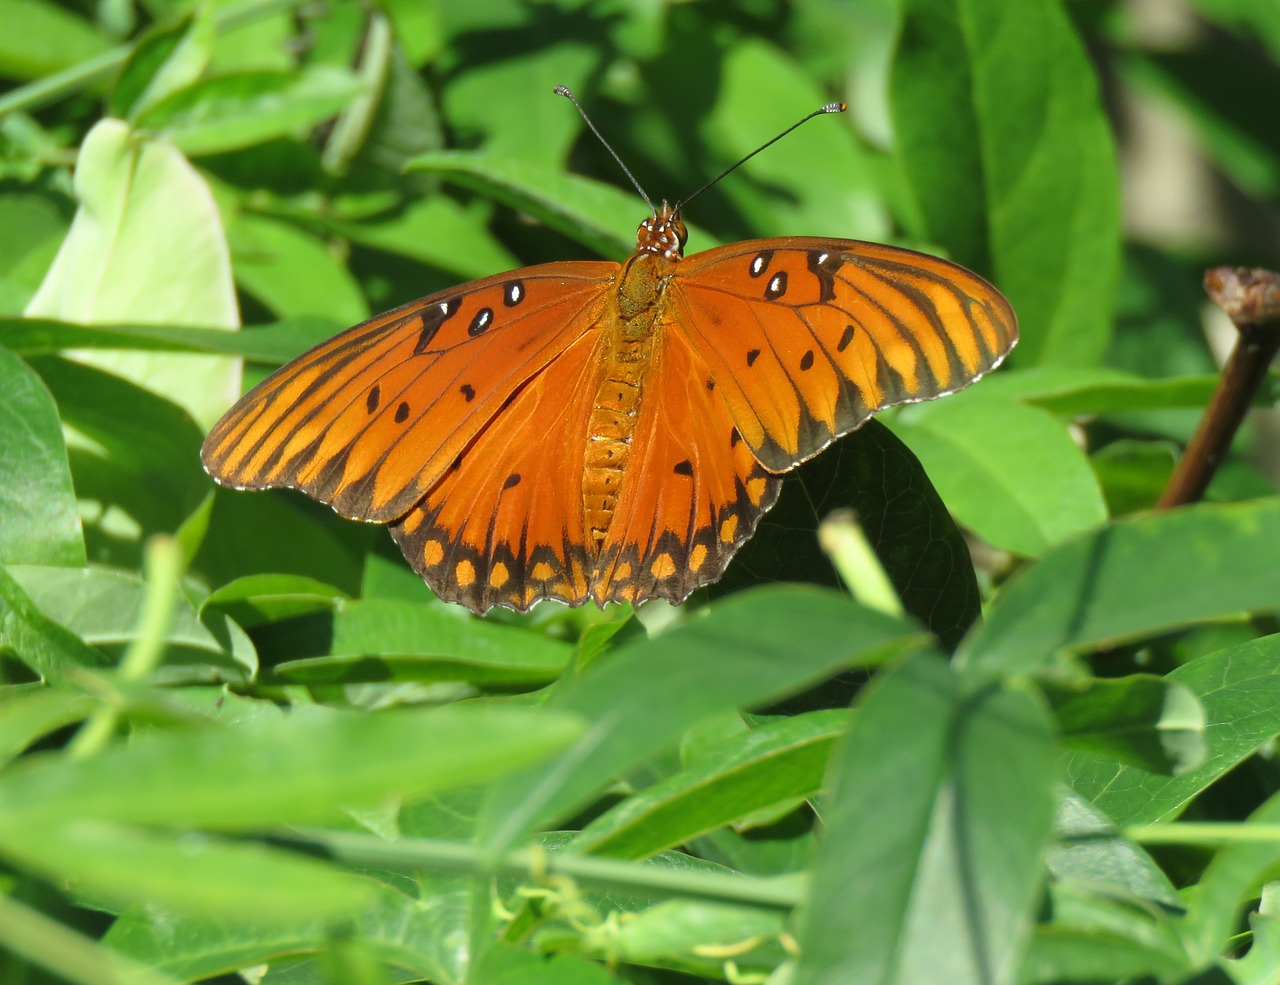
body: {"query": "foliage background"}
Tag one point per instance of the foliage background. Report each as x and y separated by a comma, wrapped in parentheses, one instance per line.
(241, 740)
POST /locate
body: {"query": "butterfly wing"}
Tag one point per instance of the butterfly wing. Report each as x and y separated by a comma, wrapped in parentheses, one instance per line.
(371, 420)
(505, 524)
(693, 491)
(806, 338)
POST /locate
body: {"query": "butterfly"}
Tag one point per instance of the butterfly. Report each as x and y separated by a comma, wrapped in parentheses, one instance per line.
(591, 430)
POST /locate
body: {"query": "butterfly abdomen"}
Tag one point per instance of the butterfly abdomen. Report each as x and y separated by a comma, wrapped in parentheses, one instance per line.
(609, 432)
(628, 354)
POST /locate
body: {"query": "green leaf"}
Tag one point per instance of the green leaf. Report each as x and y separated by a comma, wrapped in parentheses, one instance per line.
(231, 112)
(531, 55)
(26, 716)
(503, 964)
(392, 640)
(601, 217)
(293, 273)
(1130, 579)
(39, 38)
(435, 231)
(103, 607)
(1232, 879)
(137, 198)
(47, 648)
(763, 89)
(282, 769)
(257, 599)
(191, 874)
(417, 28)
(931, 860)
(1091, 856)
(132, 456)
(1133, 474)
(1099, 954)
(872, 473)
(1150, 722)
(274, 343)
(765, 767)
(416, 923)
(168, 58)
(31, 227)
(1240, 693)
(1010, 164)
(1010, 472)
(38, 519)
(754, 647)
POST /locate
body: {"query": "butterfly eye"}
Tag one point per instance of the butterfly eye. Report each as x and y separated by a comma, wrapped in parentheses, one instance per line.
(682, 234)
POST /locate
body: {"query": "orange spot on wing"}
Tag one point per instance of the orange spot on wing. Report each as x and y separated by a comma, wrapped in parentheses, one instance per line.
(663, 566)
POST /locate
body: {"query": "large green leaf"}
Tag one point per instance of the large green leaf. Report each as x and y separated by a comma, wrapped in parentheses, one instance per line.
(279, 769)
(38, 519)
(140, 198)
(1010, 472)
(191, 875)
(1003, 141)
(931, 859)
(1240, 692)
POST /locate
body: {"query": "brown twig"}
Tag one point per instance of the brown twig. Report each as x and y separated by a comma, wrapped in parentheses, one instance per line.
(1252, 299)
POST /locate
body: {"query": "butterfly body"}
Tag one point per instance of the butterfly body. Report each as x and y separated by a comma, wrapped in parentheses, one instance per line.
(590, 430)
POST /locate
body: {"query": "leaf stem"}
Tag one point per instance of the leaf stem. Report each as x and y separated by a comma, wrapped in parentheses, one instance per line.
(535, 863)
(1211, 833)
(164, 569)
(1252, 299)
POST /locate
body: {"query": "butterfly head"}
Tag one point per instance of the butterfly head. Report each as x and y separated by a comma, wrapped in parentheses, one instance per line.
(663, 234)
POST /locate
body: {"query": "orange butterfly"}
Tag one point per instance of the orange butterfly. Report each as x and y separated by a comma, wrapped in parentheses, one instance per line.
(594, 430)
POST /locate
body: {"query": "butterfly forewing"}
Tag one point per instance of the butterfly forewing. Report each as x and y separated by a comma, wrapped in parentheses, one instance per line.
(370, 420)
(807, 338)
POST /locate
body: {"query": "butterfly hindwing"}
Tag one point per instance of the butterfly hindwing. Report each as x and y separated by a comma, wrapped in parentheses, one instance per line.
(807, 338)
(504, 525)
(693, 493)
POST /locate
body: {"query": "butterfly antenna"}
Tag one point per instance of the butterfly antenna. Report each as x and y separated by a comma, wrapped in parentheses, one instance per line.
(564, 91)
(820, 111)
